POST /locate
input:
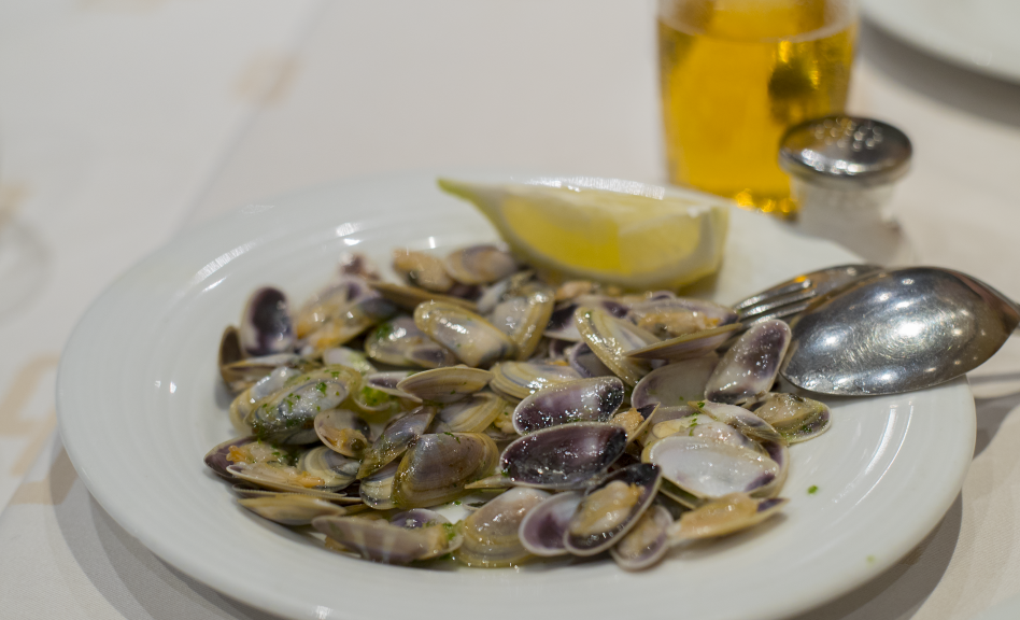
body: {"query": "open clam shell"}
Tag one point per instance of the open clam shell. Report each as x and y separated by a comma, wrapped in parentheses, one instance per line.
(218, 459)
(684, 347)
(471, 415)
(408, 297)
(436, 468)
(491, 532)
(726, 515)
(521, 379)
(287, 416)
(287, 479)
(351, 358)
(471, 338)
(523, 317)
(646, 543)
(328, 303)
(609, 510)
(399, 342)
(266, 326)
(376, 490)
(544, 527)
(635, 420)
(480, 264)
(388, 381)
(342, 431)
(565, 457)
(582, 400)
(243, 374)
(709, 469)
(354, 318)
(396, 438)
(445, 385)
(582, 359)
(336, 470)
(611, 339)
(669, 317)
(422, 270)
(675, 384)
(749, 368)
(796, 418)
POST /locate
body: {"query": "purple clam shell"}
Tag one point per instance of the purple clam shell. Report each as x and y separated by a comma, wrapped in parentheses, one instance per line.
(563, 457)
(675, 384)
(644, 475)
(749, 368)
(216, 459)
(545, 525)
(266, 326)
(582, 359)
(587, 400)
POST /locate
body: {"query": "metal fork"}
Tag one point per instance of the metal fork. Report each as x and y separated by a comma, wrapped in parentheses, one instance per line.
(789, 298)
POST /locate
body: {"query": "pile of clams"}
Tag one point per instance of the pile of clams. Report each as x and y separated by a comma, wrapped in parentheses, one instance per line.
(562, 419)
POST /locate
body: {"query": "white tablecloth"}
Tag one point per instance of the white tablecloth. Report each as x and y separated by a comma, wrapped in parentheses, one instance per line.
(124, 121)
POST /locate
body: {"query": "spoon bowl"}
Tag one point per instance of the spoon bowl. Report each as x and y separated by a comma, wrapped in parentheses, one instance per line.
(897, 331)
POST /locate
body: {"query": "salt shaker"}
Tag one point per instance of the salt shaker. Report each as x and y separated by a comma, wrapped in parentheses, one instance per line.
(842, 171)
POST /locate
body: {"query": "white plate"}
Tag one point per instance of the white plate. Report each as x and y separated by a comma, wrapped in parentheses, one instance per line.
(140, 403)
(980, 35)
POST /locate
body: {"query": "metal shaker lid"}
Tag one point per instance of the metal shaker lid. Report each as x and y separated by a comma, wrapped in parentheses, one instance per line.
(845, 152)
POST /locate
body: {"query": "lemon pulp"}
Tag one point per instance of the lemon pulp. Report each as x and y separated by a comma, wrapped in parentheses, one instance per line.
(630, 240)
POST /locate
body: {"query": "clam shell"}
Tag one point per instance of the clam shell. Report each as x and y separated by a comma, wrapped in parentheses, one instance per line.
(524, 316)
(342, 431)
(422, 270)
(749, 368)
(674, 384)
(471, 338)
(543, 528)
(286, 479)
(216, 459)
(336, 470)
(480, 264)
(491, 532)
(796, 418)
(436, 468)
(608, 511)
(351, 358)
(471, 415)
(291, 508)
(243, 374)
(582, 359)
(388, 381)
(287, 416)
(385, 542)
(709, 469)
(521, 379)
(354, 318)
(445, 385)
(328, 303)
(646, 543)
(724, 516)
(409, 297)
(611, 339)
(398, 435)
(668, 317)
(685, 347)
(266, 326)
(399, 342)
(376, 490)
(587, 400)
(563, 457)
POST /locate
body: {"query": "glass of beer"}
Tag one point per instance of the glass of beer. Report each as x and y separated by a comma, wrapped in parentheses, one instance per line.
(735, 74)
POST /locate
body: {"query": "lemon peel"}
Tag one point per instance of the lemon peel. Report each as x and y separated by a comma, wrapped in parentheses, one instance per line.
(634, 241)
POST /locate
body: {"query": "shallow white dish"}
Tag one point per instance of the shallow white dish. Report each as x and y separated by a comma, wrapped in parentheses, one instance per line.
(140, 403)
(980, 35)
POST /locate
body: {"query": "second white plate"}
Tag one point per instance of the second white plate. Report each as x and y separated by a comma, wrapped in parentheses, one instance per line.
(980, 35)
(140, 403)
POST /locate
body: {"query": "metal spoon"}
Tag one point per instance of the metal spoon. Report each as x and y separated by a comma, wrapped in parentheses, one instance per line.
(897, 331)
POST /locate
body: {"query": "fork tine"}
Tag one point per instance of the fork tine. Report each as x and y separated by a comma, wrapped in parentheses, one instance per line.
(774, 303)
(768, 294)
(802, 287)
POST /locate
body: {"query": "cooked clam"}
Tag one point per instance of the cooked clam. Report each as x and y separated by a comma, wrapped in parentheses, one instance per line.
(399, 342)
(474, 341)
(609, 510)
(749, 368)
(710, 469)
(675, 384)
(437, 467)
(287, 416)
(266, 327)
(471, 415)
(582, 400)
(397, 437)
(521, 379)
(406, 540)
(291, 508)
(544, 527)
(646, 543)
(726, 515)
(423, 270)
(795, 417)
(491, 532)
(445, 385)
(611, 339)
(568, 456)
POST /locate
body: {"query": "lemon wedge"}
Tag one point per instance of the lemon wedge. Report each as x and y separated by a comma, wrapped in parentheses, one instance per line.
(635, 241)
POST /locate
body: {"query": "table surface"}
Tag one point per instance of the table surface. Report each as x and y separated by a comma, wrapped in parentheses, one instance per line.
(123, 122)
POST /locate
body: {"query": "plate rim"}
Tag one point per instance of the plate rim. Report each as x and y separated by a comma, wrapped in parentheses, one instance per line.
(188, 566)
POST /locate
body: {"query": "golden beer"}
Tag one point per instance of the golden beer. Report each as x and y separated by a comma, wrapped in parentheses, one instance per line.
(735, 75)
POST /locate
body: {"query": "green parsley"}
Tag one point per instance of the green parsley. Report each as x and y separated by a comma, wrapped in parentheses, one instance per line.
(812, 489)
